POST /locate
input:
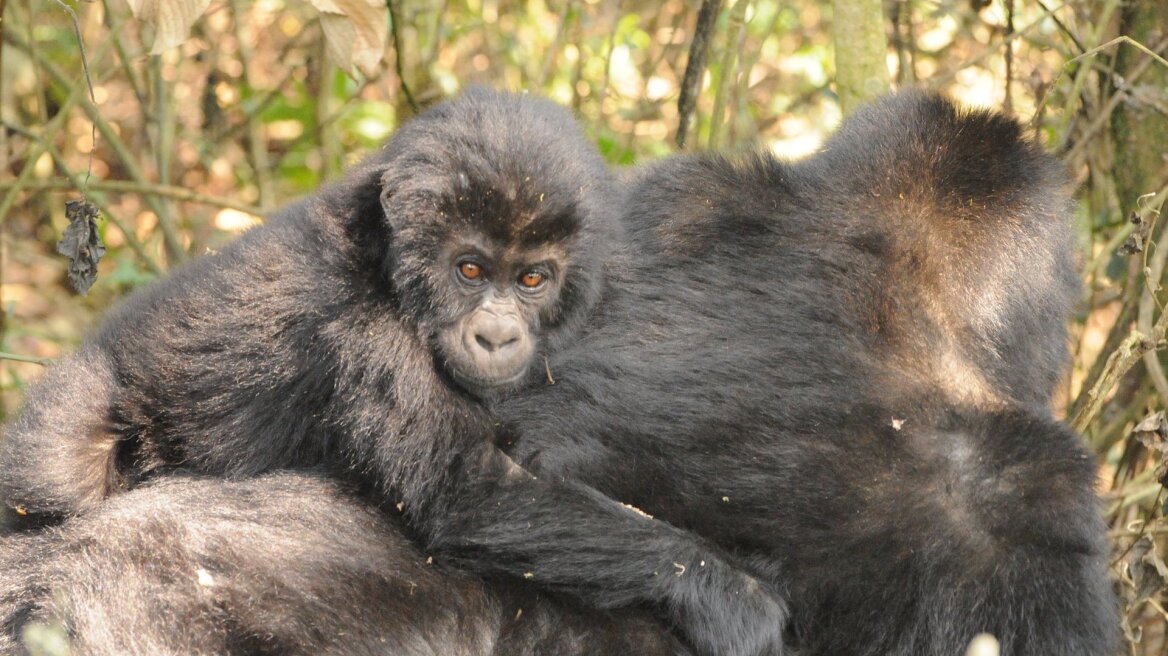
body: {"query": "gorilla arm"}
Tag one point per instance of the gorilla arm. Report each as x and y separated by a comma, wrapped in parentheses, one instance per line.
(471, 505)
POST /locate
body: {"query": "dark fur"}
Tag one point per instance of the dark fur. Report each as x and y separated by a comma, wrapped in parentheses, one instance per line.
(284, 564)
(773, 366)
(314, 340)
(838, 369)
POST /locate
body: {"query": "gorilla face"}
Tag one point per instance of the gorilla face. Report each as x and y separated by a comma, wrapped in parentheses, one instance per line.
(486, 264)
(496, 236)
(490, 345)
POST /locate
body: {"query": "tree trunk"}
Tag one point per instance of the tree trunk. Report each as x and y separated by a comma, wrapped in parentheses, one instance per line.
(1140, 125)
(861, 49)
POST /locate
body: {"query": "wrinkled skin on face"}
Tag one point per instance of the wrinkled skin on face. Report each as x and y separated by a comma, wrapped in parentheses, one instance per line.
(491, 347)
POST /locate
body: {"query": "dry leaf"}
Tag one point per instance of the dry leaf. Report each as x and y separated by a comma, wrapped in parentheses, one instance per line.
(1152, 432)
(1148, 572)
(82, 244)
(172, 19)
(355, 31)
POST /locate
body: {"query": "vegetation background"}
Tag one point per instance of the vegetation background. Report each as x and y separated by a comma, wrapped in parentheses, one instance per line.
(205, 114)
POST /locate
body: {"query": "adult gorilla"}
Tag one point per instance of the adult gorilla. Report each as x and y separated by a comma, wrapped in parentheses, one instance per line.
(838, 369)
(286, 564)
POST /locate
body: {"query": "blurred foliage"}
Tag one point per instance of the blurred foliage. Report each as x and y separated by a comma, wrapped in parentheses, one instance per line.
(195, 143)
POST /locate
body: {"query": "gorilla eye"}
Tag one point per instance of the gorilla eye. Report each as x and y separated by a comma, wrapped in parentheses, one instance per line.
(532, 279)
(470, 270)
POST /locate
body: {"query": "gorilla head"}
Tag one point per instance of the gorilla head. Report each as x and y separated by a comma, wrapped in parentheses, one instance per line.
(497, 236)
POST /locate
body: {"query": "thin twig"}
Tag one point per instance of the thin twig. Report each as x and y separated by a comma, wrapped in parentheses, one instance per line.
(434, 17)
(1050, 13)
(695, 67)
(1008, 101)
(1103, 118)
(602, 93)
(257, 146)
(904, 41)
(16, 357)
(161, 117)
(3, 138)
(332, 157)
(88, 84)
(114, 31)
(1115, 336)
(1130, 351)
(143, 189)
(729, 71)
(1132, 533)
(1153, 274)
(549, 60)
(4, 163)
(398, 67)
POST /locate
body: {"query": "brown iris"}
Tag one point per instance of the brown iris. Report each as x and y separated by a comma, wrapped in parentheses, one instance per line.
(470, 270)
(531, 279)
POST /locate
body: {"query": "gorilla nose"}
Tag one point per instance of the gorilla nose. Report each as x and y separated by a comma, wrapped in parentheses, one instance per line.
(494, 333)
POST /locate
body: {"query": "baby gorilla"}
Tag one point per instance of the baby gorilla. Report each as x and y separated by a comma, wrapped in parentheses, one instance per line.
(360, 330)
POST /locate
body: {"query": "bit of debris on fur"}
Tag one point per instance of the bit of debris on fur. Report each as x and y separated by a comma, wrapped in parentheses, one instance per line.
(897, 423)
(548, 369)
(637, 510)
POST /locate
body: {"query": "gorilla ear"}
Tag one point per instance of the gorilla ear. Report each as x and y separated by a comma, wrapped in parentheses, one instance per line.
(389, 185)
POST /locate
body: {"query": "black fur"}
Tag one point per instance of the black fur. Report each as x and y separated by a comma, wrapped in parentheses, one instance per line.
(316, 339)
(283, 564)
(838, 369)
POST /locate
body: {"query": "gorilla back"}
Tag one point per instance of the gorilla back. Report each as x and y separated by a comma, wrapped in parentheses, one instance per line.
(838, 368)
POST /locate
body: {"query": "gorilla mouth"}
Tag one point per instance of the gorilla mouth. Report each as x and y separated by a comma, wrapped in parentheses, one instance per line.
(480, 376)
(480, 385)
